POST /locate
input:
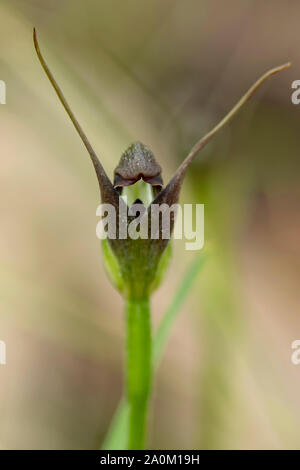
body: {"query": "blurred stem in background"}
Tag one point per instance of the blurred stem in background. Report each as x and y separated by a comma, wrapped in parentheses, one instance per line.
(221, 332)
(221, 323)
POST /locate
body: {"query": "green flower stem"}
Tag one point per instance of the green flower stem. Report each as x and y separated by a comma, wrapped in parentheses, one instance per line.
(116, 438)
(138, 369)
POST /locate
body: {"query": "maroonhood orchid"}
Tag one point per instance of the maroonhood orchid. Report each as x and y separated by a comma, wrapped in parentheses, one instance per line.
(136, 265)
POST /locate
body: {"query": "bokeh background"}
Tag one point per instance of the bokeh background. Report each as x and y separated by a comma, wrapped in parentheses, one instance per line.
(163, 72)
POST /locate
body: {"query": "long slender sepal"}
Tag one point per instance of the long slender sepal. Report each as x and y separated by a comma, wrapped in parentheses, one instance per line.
(170, 193)
(107, 191)
(204, 140)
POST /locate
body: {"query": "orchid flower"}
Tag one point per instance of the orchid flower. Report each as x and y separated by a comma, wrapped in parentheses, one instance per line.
(136, 266)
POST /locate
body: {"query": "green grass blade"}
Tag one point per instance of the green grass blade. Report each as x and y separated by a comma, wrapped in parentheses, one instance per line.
(117, 435)
(163, 332)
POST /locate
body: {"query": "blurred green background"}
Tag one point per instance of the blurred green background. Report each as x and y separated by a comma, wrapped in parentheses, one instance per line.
(163, 72)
